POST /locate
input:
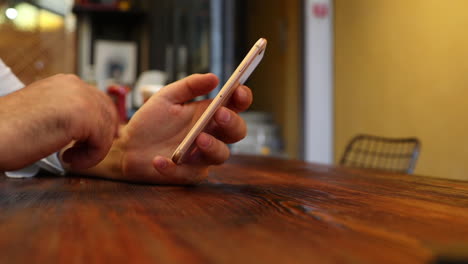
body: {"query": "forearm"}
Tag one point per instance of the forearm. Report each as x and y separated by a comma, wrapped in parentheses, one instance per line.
(27, 133)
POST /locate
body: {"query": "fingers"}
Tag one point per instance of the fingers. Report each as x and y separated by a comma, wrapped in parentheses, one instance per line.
(85, 154)
(82, 156)
(212, 151)
(228, 127)
(225, 127)
(241, 99)
(200, 84)
(189, 88)
(171, 173)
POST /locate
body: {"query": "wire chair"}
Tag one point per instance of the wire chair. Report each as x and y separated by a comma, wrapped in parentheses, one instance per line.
(374, 152)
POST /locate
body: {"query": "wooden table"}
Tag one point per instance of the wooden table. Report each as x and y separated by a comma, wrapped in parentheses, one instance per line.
(251, 210)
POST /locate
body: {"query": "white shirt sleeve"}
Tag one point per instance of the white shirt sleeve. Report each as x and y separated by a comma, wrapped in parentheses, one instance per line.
(8, 81)
(8, 84)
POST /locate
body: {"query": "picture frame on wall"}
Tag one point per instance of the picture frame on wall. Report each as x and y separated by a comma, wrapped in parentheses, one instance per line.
(115, 62)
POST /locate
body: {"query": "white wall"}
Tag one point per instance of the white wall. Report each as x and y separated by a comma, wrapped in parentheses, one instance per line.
(318, 81)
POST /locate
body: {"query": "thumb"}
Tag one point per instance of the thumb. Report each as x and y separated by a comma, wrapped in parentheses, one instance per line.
(190, 87)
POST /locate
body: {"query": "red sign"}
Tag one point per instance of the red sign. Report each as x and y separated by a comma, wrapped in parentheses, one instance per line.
(320, 10)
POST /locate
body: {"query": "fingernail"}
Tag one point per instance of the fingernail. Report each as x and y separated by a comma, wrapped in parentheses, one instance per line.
(224, 116)
(204, 141)
(161, 163)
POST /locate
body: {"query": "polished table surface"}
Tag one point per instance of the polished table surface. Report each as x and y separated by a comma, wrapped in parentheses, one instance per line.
(250, 210)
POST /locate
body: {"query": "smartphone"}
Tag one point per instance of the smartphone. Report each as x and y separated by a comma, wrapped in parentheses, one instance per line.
(240, 75)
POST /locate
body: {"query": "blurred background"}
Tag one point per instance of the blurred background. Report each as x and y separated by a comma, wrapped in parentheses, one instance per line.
(332, 69)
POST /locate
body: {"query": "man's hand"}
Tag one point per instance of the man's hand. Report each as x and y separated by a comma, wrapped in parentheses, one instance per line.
(47, 115)
(147, 142)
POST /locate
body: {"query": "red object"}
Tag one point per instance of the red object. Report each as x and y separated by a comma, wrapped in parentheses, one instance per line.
(119, 94)
(320, 10)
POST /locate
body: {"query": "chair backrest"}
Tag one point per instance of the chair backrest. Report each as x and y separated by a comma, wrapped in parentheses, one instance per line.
(374, 152)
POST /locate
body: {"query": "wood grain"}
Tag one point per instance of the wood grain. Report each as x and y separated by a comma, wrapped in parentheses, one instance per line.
(251, 210)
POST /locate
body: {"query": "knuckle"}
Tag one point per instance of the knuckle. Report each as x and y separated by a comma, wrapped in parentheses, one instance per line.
(59, 75)
(176, 110)
(72, 77)
(81, 104)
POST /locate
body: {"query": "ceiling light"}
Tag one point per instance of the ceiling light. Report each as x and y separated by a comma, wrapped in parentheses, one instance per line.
(11, 13)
